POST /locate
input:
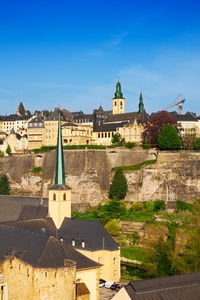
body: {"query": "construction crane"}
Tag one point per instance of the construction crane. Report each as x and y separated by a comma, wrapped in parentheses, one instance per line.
(179, 102)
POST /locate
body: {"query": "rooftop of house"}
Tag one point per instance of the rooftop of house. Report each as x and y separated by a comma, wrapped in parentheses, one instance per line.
(40, 249)
(188, 116)
(131, 116)
(179, 287)
(64, 114)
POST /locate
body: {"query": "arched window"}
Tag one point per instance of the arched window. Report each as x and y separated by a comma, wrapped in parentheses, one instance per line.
(54, 197)
(73, 243)
(64, 196)
(115, 103)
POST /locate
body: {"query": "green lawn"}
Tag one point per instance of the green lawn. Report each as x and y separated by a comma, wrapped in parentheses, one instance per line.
(138, 216)
(136, 253)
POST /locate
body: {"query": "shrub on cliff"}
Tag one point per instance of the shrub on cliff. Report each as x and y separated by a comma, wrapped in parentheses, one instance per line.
(130, 145)
(4, 185)
(169, 139)
(197, 144)
(118, 187)
(112, 227)
(8, 150)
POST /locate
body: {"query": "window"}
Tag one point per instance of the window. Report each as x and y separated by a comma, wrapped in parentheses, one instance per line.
(105, 134)
(114, 260)
(102, 134)
(54, 197)
(108, 134)
(121, 103)
(83, 244)
(99, 260)
(98, 135)
(64, 197)
(115, 103)
(73, 243)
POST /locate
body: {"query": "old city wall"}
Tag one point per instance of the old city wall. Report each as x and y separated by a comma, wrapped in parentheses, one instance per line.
(175, 176)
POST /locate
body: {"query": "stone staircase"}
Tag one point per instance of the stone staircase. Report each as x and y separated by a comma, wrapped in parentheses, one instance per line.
(127, 227)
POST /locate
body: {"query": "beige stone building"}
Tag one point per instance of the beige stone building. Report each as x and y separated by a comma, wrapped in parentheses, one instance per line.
(77, 134)
(18, 143)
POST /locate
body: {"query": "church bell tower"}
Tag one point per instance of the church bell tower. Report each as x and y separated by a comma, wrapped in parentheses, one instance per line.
(118, 102)
(59, 194)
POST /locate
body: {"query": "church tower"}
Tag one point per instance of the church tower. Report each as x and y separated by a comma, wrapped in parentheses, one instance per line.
(141, 104)
(118, 102)
(59, 193)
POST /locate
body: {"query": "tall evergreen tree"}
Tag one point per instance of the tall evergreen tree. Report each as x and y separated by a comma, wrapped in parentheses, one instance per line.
(168, 138)
(118, 187)
(4, 185)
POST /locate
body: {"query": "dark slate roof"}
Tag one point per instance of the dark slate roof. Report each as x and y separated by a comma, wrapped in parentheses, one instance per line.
(39, 225)
(109, 127)
(36, 121)
(12, 206)
(179, 287)
(83, 118)
(40, 249)
(128, 117)
(89, 231)
(33, 212)
(14, 117)
(69, 124)
(65, 115)
(59, 187)
(186, 117)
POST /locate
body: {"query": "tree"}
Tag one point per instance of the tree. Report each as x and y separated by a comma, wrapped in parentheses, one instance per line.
(189, 261)
(197, 144)
(8, 150)
(117, 140)
(168, 138)
(156, 123)
(118, 187)
(113, 227)
(4, 185)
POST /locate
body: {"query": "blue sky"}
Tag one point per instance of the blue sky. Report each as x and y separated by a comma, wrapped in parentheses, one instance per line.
(71, 53)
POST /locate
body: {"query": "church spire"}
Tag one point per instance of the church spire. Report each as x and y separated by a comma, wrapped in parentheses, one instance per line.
(60, 169)
(118, 93)
(141, 104)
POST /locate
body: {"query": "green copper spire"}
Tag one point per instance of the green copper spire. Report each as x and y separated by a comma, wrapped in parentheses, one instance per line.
(60, 169)
(118, 93)
(141, 104)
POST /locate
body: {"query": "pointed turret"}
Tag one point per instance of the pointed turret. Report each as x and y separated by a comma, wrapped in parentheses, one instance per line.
(59, 193)
(118, 93)
(141, 104)
(118, 102)
(60, 168)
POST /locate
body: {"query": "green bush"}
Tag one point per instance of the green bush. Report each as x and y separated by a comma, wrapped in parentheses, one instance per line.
(112, 227)
(168, 139)
(135, 167)
(130, 145)
(146, 146)
(182, 205)
(197, 144)
(159, 205)
(118, 187)
(8, 150)
(1, 153)
(4, 185)
(36, 170)
(44, 149)
(137, 206)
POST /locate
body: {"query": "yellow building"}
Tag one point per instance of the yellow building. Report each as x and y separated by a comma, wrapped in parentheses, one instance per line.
(35, 133)
(51, 125)
(77, 134)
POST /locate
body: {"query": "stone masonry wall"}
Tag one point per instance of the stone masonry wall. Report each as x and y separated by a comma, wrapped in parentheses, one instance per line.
(176, 175)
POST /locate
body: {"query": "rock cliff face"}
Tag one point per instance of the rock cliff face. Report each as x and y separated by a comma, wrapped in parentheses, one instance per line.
(88, 172)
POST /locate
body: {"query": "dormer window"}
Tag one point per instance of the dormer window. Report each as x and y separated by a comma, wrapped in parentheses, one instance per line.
(83, 244)
(73, 243)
